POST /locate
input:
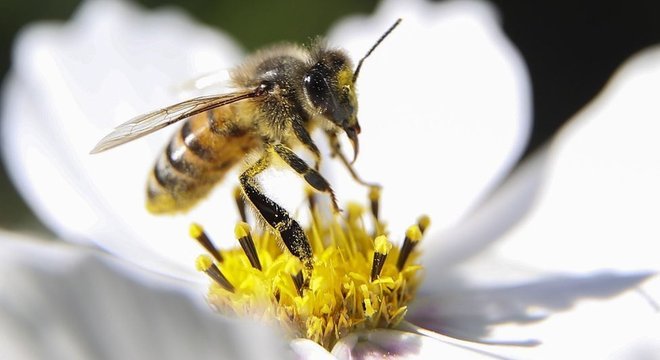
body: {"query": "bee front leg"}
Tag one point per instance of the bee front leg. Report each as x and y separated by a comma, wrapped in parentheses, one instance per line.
(274, 215)
(303, 136)
(311, 176)
(336, 151)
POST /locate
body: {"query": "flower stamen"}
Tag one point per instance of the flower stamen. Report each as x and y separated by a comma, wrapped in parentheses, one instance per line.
(382, 248)
(205, 263)
(423, 222)
(240, 203)
(242, 232)
(299, 282)
(413, 235)
(374, 199)
(354, 280)
(197, 232)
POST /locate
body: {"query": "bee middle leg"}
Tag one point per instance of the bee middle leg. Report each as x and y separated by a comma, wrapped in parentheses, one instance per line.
(276, 216)
(311, 176)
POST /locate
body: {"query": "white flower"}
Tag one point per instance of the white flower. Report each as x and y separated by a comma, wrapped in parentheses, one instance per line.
(445, 92)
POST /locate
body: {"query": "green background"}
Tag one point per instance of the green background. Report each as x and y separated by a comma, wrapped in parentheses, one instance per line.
(252, 23)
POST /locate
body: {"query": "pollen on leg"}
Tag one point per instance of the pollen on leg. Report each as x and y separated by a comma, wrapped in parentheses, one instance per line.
(356, 280)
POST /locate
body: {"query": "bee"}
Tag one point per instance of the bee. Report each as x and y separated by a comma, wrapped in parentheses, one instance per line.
(281, 94)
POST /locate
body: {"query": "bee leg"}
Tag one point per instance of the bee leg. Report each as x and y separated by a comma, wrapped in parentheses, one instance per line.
(303, 136)
(276, 216)
(336, 151)
(311, 176)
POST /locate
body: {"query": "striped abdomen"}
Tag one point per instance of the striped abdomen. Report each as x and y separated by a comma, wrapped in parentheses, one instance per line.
(198, 156)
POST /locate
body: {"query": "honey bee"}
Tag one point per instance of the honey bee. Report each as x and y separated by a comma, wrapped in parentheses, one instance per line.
(281, 95)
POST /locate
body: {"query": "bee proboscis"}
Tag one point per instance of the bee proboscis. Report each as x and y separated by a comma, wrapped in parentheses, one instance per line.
(282, 94)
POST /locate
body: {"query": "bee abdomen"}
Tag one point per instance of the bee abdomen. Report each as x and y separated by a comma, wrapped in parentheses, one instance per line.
(194, 161)
(174, 185)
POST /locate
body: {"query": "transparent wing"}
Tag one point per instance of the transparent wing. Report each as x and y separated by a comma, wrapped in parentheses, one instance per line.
(220, 79)
(147, 123)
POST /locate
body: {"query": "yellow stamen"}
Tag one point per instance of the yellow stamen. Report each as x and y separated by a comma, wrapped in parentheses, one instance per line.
(374, 199)
(374, 193)
(353, 283)
(423, 223)
(240, 203)
(242, 232)
(205, 264)
(413, 236)
(381, 248)
(414, 233)
(382, 245)
(196, 232)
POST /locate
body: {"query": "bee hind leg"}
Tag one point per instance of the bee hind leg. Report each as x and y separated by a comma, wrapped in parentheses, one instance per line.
(274, 215)
(311, 176)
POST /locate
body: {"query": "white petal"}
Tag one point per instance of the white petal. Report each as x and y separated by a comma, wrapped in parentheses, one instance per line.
(70, 84)
(618, 328)
(593, 222)
(623, 327)
(444, 107)
(599, 204)
(309, 350)
(474, 313)
(396, 344)
(484, 226)
(64, 303)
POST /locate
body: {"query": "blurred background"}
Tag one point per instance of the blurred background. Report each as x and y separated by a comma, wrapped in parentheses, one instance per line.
(570, 48)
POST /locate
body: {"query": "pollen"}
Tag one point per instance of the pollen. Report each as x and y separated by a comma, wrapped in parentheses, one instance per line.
(359, 280)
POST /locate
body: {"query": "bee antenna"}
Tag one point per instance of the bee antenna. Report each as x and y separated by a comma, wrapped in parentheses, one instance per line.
(359, 65)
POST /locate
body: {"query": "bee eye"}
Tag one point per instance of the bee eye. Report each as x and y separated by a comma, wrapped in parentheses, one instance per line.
(317, 88)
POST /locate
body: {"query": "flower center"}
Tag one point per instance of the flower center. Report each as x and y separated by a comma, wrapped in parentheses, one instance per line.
(358, 280)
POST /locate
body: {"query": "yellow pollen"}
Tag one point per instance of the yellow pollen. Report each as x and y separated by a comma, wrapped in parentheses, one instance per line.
(203, 263)
(382, 246)
(423, 223)
(414, 234)
(340, 293)
(241, 230)
(354, 210)
(374, 193)
(196, 230)
(368, 307)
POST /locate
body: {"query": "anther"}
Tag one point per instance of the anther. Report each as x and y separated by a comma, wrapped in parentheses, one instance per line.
(413, 236)
(353, 212)
(197, 232)
(374, 199)
(423, 222)
(367, 306)
(205, 263)
(381, 249)
(240, 203)
(299, 282)
(311, 198)
(242, 232)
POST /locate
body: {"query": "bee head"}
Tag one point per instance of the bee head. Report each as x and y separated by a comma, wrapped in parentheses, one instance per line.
(329, 88)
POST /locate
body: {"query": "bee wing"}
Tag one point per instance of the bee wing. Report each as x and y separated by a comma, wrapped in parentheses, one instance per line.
(215, 79)
(147, 123)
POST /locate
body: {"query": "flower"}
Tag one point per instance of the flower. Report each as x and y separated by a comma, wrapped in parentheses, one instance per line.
(465, 107)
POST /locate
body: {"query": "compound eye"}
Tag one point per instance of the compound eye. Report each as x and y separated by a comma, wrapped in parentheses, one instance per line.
(317, 88)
